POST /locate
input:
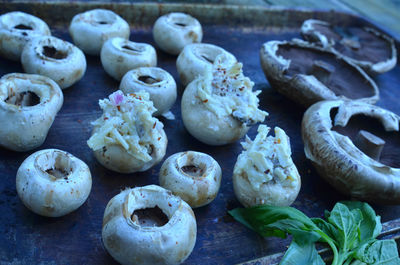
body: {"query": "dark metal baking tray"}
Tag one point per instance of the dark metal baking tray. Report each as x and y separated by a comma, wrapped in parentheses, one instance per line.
(76, 238)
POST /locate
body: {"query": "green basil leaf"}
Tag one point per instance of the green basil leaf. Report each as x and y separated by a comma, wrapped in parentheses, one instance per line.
(370, 226)
(327, 228)
(347, 222)
(260, 217)
(380, 252)
(301, 254)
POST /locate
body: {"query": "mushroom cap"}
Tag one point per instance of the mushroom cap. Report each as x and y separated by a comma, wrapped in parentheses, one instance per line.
(119, 55)
(116, 158)
(204, 124)
(53, 183)
(25, 127)
(195, 57)
(193, 176)
(339, 161)
(89, 30)
(173, 31)
(366, 47)
(128, 242)
(162, 86)
(306, 73)
(16, 29)
(55, 58)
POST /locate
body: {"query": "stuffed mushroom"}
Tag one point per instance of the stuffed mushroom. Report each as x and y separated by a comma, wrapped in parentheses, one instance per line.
(148, 225)
(195, 57)
(366, 47)
(28, 106)
(264, 172)
(16, 29)
(173, 31)
(306, 73)
(53, 183)
(126, 138)
(219, 107)
(193, 176)
(349, 159)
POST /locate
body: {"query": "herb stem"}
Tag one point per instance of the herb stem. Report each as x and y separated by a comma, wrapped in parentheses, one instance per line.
(328, 240)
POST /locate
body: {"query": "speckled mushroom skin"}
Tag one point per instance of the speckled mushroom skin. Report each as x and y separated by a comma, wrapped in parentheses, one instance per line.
(311, 34)
(340, 162)
(204, 124)
(116, 158)
(198, 190)
(25, 127)
(13, 40)
(47, 195)
(304, 89)
(131, 244)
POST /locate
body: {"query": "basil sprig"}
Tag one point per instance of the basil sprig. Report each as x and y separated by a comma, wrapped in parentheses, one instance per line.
(350, 230)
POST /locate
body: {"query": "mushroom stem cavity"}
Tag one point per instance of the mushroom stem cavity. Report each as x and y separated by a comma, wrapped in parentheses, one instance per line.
(23, 27)
(148, 79)
(192, 170)
(149, 217)
(23, 99)
(370, 144)
(54, 53)
(58, 165)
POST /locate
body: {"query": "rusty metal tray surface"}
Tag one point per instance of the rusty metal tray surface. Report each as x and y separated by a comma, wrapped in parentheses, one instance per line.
(76, 238)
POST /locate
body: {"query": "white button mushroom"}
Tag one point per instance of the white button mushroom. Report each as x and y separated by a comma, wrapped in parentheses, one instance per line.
(53, 183)
(148, 225)
(55, 58)
(157, 82)
(219, 107)
(119, 55)
(264, 172)
(89, 30)
(126, 138)
(16, 29)
(195, 57)
(173, 31)
(28, 106)
(193, 176)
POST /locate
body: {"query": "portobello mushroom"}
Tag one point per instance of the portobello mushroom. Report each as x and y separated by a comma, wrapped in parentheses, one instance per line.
(307, 73)
(370, 49)
(353, 161)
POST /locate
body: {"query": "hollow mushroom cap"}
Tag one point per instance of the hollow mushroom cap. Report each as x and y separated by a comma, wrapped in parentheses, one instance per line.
(25, 119)
(366, 47)
(53, 183)
(289, 76)
(89, 30)
(126, 138)
(157, 82)
(131, 243)
(119, 55)
(195, 57)
(55, 58)
(219, 107)
(339, 161)
(193, 176)
(264, 172)
(16, 29)
(173, 31)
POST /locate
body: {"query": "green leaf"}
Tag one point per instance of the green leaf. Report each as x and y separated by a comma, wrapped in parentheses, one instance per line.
(301, 254)
(327, 228)
(347, 222)
(259, 218)
(380, 252)
(370, 226)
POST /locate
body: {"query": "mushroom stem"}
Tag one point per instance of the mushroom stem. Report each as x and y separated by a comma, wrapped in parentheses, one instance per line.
(322, 71)
(370, 144)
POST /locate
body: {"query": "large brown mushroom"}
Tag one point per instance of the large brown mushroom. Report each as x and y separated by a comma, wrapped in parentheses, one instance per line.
(353, 160)
(370, 49)
(306, 73)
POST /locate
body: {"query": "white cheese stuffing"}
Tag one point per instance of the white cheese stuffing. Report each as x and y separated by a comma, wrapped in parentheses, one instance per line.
(226, 91)
(267, 158)
(127, 121)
